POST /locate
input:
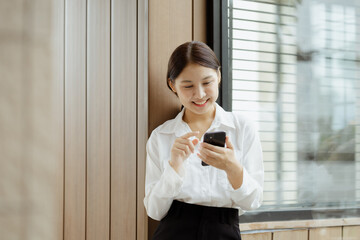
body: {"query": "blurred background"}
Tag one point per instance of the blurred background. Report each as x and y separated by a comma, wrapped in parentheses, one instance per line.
(30, 120)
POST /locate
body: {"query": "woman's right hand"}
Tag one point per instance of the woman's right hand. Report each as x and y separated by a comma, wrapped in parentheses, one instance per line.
(182, 148)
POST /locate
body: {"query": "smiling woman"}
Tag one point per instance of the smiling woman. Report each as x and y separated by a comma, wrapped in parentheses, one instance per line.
(197, 88)
(179, 190)
(197, 72)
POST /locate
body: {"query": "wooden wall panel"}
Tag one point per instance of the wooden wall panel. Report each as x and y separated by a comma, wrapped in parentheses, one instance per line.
(75, 119)
(98, 120)
(142, 111)
(291, 234)
(58, 96)
(257, 236)
(170, 24)
(199, 23)
(333, 233)
(351, 233)
(123, 119)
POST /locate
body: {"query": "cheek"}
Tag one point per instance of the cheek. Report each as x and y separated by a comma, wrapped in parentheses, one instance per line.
(184, 94)
(213, 91)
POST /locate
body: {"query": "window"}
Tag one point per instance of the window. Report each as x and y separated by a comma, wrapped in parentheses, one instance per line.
(294, 68)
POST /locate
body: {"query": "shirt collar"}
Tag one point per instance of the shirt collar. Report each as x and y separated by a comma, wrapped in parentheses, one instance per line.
(179, 127)
(223, 118)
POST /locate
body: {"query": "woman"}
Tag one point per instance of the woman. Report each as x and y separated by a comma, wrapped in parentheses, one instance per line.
(191, 200)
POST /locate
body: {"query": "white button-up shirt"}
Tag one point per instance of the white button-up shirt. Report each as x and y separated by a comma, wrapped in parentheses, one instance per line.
(203, 185)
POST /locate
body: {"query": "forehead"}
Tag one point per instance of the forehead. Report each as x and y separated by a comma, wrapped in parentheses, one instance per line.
(195, 72)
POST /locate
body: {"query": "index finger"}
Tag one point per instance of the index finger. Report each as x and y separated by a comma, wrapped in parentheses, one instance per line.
(190, 134)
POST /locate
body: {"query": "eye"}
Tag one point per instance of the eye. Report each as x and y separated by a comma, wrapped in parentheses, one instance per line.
(188, 86)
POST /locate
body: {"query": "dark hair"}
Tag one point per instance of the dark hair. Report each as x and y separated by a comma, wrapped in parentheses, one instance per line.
(190, 52)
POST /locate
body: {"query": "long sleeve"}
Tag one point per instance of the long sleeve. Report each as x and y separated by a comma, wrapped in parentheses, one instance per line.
(250, 195)
(162, 182)
(196, 184)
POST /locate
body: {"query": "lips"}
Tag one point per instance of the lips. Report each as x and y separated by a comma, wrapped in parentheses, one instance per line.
(200, 103)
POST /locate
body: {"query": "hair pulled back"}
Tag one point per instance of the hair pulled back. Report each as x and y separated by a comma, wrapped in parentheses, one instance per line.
(187, 53)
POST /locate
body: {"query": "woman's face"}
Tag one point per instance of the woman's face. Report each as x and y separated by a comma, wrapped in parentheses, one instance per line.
(197, 88)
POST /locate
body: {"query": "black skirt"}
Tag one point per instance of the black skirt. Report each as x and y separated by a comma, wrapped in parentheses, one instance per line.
(194, 222)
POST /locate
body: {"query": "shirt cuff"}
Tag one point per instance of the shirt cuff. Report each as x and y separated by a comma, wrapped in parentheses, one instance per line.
(244, 190)
(173, 181)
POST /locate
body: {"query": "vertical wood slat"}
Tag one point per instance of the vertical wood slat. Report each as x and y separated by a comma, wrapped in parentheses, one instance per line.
(98, 120)
(257, 236)
(331, 233)
(75, 119)
(291, 234)
(59, 96)
(170, 24)
(123, 119)
(351, 233)
(199, 24)
(142, 118)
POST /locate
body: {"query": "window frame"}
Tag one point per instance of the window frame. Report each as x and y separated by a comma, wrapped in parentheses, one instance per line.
(217, 39)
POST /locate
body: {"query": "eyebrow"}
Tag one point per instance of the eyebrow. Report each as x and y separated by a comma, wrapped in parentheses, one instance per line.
(188, 81)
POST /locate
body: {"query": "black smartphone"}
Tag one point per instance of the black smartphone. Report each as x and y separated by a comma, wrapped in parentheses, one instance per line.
(214, 138)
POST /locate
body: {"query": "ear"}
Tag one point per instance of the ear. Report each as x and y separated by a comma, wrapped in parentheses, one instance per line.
(219, 76)
(171, 85)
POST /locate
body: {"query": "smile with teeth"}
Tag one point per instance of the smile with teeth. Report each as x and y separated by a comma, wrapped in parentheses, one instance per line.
(201, 103)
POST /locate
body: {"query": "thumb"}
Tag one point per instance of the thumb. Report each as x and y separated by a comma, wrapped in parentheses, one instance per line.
(228, 143)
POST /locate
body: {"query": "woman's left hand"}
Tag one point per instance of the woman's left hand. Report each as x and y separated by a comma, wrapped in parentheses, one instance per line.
(223, 158)
(219, 157)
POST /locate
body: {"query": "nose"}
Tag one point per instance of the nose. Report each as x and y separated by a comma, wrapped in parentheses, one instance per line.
(199, 92)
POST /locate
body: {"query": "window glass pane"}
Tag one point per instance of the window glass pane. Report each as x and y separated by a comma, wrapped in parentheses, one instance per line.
(295, 70)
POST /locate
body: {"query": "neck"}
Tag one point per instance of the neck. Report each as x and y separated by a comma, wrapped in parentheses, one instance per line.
(190, 117)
